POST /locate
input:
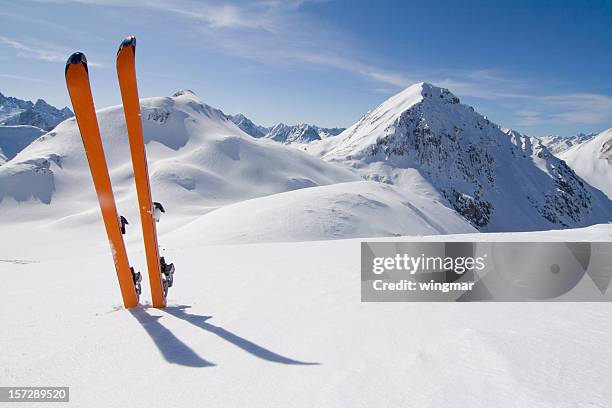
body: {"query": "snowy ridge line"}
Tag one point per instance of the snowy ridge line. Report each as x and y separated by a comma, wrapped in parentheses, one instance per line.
(203, 166)
(498, 180)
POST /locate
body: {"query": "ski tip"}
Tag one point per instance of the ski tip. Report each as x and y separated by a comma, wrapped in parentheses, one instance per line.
(129, 41)
(76, 58)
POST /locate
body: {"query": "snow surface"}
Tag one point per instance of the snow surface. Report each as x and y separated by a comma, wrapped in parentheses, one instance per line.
(344, 210)
(268, 325)
(592, 160)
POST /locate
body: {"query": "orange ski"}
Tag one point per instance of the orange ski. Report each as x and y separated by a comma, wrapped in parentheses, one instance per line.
(126, 71)
(77, 80)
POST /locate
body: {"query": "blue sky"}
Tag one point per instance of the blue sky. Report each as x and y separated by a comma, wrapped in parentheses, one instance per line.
(537, 66)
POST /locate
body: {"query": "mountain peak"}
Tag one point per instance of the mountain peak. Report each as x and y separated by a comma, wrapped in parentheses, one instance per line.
(426, 90)
(184, 92)
(248, 126)
(469, 160)
(14, 112)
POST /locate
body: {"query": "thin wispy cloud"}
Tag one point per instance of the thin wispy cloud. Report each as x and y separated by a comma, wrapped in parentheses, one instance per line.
(570, 108)
(26, 51)
(43, 52)
(42, 23)
(532, 104)
(25, 78)
(281, 33)
(527, 117)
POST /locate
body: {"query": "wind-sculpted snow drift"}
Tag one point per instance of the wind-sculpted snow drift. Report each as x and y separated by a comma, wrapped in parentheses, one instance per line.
(498, 181)
(199, 161)
(343, 210)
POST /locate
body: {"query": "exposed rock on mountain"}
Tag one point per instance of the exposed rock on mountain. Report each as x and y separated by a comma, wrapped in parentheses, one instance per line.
(14, 111)
(498, 181)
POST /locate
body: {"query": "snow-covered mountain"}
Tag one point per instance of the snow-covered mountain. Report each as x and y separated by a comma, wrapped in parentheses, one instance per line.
(14, 111)
(301, 133)
(13, 139)
(558, 144)
(200, 161)
(592, 160)
(279, 132)
(247, 125)
(197, 156)
(287, 134)
(498, 181)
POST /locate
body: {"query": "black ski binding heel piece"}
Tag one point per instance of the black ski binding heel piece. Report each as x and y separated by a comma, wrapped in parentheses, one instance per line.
(158, 206)
(167, 270)
(137, 278)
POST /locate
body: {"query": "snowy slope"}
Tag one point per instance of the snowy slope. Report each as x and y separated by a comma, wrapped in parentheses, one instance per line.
(592, 160)
(373, 124)
(344, 210)
(14, 139)
(498, 181)
(199, 160)
(276, 325)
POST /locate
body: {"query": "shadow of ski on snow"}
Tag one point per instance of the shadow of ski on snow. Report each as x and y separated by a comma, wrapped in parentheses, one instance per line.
(179, 312)
(170, 346)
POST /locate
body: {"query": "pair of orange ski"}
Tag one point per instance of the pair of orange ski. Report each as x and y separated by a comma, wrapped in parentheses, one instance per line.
(77, 80)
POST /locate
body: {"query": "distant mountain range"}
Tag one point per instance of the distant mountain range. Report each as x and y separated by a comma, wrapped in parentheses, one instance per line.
(248, 126)
(558, 144)
(216, 182)
(14, 112)
(591, 158)
(433, 165)
(286, 134)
